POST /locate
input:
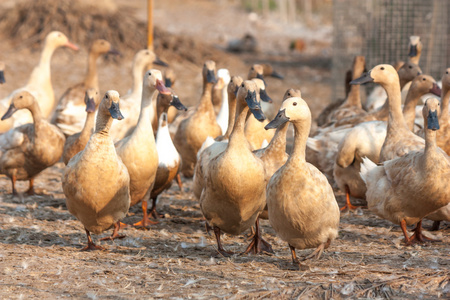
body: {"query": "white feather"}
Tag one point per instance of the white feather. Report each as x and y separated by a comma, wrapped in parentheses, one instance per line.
(366, 167)
(167, 153)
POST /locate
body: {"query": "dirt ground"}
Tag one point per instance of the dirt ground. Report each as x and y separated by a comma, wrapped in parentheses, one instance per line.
(40, 240)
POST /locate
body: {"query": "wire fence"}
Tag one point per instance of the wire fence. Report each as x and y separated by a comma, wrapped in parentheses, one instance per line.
(380, 30)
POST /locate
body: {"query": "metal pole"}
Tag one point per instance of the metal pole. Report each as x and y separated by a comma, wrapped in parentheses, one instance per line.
(150, 24)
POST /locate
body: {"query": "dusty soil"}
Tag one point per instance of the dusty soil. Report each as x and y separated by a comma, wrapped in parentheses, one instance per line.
(40, 240)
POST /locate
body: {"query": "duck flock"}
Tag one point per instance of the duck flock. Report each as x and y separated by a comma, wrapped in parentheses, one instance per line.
(118, 153)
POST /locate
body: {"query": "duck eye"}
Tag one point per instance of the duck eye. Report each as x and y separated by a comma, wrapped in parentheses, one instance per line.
(424, 79)
(382, 68)
(410, 67)
(242, 85)
(289, 94)
(295, 103)
(149, 74)
(21, 97)
(106, 96)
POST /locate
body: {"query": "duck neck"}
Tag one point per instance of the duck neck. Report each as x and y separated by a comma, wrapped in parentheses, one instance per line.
(91, 80)
(138, 77)
(144, 121)
(278, 142)
(206, 100)
(409, 109)
(301, 132)
(444, 103)
(103, 123)
(354, 97)
(237, 137)
(231, 113)
(36, 113)
(430, 140)
(88, 126)
(395, 119)
(41, 72)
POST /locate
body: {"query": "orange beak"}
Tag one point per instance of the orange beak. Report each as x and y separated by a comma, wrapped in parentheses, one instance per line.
(71, 46)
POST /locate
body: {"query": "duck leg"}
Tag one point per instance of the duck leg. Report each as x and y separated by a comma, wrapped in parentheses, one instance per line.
(295, 259)
(435, 226)
(115, 234)
(145, 222)
(258, 244)
(91, 246)
(13, 182)
(316, 253)
(219, 244)
(417, 237)
(180, 184)
(153, 211)
(31, 187)
(348, 205)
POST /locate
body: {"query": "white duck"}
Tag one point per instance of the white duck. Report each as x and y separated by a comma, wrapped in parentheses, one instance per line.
(129, 103)
(223, 79)
(39, 84)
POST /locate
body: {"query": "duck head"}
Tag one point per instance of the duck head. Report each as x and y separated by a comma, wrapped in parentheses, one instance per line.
(101, 46)
(21, 99)
(147, 57)
(431, 110)
(235, 83)
(58, 39)
(247, 93)
(293, 110)
(256, 71)
(446, 79)
(209, 71)
(262, 90)
(292, 93)
(381, 74)
(91, 99)
(172, 99)
(153, 78)
(169, 78)
(110, 103)
(415, 46)
(425, 84)
(409, 71)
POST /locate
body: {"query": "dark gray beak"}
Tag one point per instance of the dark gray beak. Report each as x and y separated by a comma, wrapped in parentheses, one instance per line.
(432, 120)
(167, 82)
(279, 120)
(275, 74)
(2, 77)
(90, 105)
(365, 78)
(210, 76)
(412, 51)
(159, 62)
(175, 102)
(264, 97)
(114, 52)
(114, 110)
(254, 106)
(436, 90)
(11, 110)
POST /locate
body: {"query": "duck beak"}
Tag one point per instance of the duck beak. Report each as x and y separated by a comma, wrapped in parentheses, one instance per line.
(114, 110)
(177, 103)
(162, 88)
(432, 120)
(211, 77)
(90, 105)
(412, 51)
(279, 120)
(254, 106)
(365, 78)
(264, 97)
(114, 52)
(159, 62)
(167, 82)
(275, 74)
(436, 90)
(2, 77)
(71, 46)
(11, 110)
